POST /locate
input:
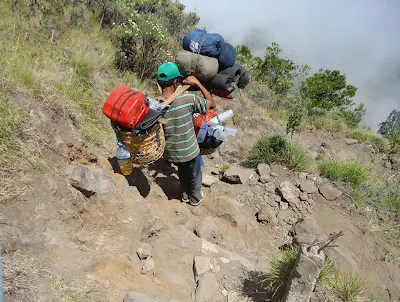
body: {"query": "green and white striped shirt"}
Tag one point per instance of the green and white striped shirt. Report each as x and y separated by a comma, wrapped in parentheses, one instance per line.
(181, 142)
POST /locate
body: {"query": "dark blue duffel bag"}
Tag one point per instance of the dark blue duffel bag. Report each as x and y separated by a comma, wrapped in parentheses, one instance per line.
(201, 42)
(227, 57)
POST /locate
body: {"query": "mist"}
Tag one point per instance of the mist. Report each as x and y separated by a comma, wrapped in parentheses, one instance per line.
(359, 37)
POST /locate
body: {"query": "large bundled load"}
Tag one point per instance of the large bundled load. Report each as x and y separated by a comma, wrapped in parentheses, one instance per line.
(212, 60)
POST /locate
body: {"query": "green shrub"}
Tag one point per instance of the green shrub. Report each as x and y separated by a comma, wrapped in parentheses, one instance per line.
(276, 149)
(352, 173)
(367, 136)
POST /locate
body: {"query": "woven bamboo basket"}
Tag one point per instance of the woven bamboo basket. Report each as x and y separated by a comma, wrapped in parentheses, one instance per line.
(148, 147)
(145, 148)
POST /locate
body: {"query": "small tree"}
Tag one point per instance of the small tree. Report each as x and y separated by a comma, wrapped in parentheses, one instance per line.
(391, 130)
(328, 89)
(277, 72)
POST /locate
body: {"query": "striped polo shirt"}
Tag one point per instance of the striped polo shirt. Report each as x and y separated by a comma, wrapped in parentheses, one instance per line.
(181, 143)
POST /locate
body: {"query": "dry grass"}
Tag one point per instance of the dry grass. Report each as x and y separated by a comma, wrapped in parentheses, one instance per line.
(10, 186)
(76, 291)
(369, 137)
(20, 276)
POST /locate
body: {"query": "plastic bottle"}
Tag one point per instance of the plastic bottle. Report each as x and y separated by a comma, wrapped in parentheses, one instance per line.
(124, 160)
(220, 118)
(154, 104)
(201, 135)
(221, 133)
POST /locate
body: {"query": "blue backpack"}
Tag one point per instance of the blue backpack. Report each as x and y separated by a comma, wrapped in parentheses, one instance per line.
(203, 43)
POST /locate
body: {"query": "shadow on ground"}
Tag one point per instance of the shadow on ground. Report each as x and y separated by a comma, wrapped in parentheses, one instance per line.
(253, 286)
(136, 179)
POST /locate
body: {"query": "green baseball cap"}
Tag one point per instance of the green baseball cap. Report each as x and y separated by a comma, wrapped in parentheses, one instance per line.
(168, 71)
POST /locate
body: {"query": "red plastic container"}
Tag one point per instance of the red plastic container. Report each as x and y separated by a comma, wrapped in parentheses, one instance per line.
(125, 106)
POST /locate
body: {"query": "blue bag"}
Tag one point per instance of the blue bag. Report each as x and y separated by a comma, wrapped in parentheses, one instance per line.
(227, 57)
(203, 43)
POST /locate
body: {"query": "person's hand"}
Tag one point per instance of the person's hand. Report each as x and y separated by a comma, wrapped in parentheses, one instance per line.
(191, 80)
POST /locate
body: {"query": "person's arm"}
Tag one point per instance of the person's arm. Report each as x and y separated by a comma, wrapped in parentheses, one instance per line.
(193, 81)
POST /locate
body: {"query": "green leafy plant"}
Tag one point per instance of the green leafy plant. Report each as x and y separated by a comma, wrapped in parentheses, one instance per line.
(347, 286)
(275, 148)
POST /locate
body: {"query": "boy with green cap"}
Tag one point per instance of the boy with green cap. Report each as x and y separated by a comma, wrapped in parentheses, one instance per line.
(182, 148)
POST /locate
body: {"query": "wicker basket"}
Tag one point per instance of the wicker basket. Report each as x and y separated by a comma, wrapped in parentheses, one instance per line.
(145, 148)
(207, 151)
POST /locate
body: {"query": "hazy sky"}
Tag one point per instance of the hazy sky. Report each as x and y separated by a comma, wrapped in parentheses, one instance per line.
(361, 38)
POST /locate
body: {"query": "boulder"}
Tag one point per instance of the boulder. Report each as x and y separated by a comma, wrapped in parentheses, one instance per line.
(267, 214)
(226, 208)
(91, 181)
(330, 192)
(237, 175)
(207, 286)
(201, 265)
(351, 141)
(308, 187)
(304, 276)
(307, 225)
(209, 230)
(148, 265)
(144, 251)
(263, 169)
(209, 180)
(283, 205)
(138, 297)
(265, 179)
(289, 193)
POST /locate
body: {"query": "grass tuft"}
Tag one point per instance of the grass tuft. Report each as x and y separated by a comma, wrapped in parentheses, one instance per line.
(393, 257)
(351, 173)
(347, 287)
(366, 136)
(280, 267)
(276, 149)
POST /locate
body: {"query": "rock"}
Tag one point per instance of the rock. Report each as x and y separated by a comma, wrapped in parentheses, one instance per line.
(288, 192)
(270, 187)
(284, 215)
(209, 230)
(306, 230)
(138, 297)
(144, 251)
(91, 181)
(237, 175)
(267, 215)
(263, 169)
(265, 179)
(308, 187)
(201, 265)
(351, 141)
(207, 286)
(209, 180)
(224, 292)
(330, 192)
(303, 196)
(277, 198)
(304, 276)
(273, 174)
(283, 205)
(226, 208)
(148, 265)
